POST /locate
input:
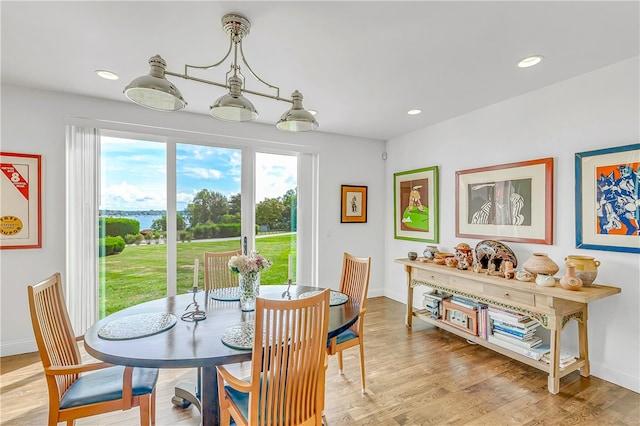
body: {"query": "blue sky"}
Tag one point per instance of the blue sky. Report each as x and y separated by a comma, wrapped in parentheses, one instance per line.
(134, 173)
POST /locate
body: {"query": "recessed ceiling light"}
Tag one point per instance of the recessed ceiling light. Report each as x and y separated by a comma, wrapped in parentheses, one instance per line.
(414, 111)
(108, 75)
(529, 61)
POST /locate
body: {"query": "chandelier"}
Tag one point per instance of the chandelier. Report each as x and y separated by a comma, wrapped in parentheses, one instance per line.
(156, 92)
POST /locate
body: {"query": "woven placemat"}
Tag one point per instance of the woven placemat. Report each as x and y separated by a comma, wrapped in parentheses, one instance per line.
(335, 297)
(136, 326)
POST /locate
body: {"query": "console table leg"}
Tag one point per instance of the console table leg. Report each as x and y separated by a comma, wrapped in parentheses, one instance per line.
(553, 383)
(409, 318)
(583, 343)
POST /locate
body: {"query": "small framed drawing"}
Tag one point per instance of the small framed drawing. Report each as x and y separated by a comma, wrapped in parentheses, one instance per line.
(607, 200)
(20, 201)
(508, 202)
(415, 208)
(353, 207)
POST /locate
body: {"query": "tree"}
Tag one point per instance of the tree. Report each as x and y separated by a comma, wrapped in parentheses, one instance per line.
(234, 204)
(161, 224)
(290, 205)
(269, 212)
(206, 207)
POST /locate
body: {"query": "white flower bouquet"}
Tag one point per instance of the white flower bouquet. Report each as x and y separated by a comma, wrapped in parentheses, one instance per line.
(243, 264)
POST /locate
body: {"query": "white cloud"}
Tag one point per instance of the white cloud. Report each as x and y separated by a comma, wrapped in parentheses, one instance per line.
(123, 196)
(275, 175)
(202, 172)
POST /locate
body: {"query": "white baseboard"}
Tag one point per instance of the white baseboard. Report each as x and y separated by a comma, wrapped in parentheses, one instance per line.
(18, 347)
(617, 377)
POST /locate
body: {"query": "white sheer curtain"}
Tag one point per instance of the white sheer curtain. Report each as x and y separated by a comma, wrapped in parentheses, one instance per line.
(83, 201)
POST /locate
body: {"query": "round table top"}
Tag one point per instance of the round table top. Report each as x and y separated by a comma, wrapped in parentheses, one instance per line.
(196, 343)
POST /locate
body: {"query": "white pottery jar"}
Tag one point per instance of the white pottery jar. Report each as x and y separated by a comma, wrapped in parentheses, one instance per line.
(545, 280)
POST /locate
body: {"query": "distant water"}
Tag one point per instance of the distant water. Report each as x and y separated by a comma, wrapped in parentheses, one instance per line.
(145, 220)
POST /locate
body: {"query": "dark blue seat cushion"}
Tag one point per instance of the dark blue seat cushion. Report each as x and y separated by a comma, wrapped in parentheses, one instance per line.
(343, 337)
(106, 385)
(240, 399)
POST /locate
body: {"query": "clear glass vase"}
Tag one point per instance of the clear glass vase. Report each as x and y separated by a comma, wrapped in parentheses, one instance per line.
(249, 289)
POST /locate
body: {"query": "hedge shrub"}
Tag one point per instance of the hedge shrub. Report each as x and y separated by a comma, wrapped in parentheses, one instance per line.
(118, 226)
(110, 245)
(215, 230)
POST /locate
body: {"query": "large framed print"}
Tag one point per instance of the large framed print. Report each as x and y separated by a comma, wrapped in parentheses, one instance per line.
(607, 200)
(416, 205)
(507, 202)
(353, 204)
(20, 201)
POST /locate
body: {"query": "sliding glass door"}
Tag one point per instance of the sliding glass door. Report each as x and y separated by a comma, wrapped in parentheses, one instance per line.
(276, 205)
(208, 207)
(133, 200)
(164, 202)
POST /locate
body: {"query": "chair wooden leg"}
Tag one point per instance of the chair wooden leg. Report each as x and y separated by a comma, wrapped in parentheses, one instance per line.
(153, 407)
(362, 365)
(340, 368)
(225, 417)
(144, 410)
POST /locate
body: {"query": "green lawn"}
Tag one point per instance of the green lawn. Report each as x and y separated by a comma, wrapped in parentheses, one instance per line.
(138, 274)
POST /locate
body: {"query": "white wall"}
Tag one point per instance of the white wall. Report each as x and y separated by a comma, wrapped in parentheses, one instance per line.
(595, 110)
(34, 122)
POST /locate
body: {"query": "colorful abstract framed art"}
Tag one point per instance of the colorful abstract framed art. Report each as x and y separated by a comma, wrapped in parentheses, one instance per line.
(507, 202)
(416, 205)
(607, 199)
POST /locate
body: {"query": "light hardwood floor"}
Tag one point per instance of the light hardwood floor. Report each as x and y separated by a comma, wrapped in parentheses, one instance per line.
(415, 376)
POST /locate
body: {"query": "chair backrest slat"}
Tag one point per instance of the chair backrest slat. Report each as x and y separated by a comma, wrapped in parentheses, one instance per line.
(291, 338)
(53, 331)
(354, 281)
(216, 270)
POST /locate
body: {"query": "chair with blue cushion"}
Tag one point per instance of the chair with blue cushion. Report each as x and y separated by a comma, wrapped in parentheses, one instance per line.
(289, 361)
(73, 394)
(355, 283)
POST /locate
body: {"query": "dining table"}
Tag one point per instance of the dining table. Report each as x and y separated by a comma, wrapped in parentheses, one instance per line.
(192, 330)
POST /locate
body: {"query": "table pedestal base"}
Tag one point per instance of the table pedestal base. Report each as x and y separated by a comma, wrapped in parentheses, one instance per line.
(186, 394)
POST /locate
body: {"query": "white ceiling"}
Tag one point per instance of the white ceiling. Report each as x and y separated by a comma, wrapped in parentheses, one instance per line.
(362, 65)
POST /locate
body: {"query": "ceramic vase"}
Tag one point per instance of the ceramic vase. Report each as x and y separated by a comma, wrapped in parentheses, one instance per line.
(569, 280)
(545, 280)
(430, 252)
(540, 263)
(249, 289)
(586, 268)
(464, 255)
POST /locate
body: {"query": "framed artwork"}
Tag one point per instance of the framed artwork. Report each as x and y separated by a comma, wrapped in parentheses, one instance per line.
(20, 201)
(508, 202)
(607, 200)
(353, 208)
(415, 208)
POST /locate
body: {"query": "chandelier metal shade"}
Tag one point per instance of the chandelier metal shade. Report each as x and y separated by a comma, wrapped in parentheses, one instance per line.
(156, 92)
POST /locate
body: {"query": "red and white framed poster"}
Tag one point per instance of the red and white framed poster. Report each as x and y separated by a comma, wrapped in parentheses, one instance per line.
(20, 201)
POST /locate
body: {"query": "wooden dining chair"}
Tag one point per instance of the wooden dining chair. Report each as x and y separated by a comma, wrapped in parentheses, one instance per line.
(73, 394)
(354, 282)
(289, 361)
(216, 270)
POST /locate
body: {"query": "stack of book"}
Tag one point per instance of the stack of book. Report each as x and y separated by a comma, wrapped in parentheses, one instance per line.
(463, 301)
(484, 325)
(565, 359)
(516, 332)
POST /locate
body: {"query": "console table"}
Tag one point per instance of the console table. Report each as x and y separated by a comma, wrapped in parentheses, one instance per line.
(552, 307)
